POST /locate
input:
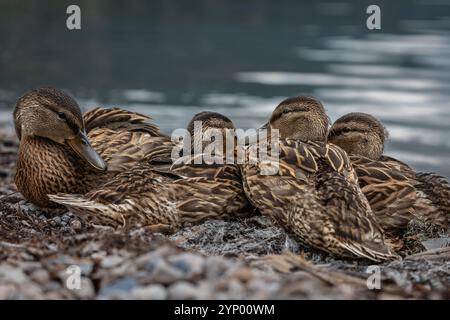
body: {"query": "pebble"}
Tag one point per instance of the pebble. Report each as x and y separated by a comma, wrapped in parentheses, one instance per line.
(7, 291)
(31, 291)
(86, 291)
(151, 292)
(111, 261)
(183, 290)
(164, 273)
(191, 264)
(12, 275)
(41, 276)
(57, 220)
(125, 284)
(216, 267)
(75, 224)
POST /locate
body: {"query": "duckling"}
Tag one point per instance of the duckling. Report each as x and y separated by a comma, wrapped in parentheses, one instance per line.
(62, 151)
(187, 193)
(395, 192)
(315, 193)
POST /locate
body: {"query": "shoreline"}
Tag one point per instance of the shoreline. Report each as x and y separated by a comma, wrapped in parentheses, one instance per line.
(245, 259)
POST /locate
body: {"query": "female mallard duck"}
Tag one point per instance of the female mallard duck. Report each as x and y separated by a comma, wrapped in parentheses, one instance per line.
(216, 183)
(187, 192)
(315, 193)
(62, 151)
(395, 192)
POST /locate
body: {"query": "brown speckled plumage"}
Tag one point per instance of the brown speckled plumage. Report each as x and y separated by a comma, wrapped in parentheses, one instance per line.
(395, 192)
(315, 194)
(47, 165)
(216, 188)
(184, 193)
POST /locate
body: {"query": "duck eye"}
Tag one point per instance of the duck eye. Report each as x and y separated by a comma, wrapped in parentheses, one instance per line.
(62, 115)
(347, 129)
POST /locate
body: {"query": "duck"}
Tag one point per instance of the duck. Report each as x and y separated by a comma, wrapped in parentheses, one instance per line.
(396, 193)
(211, 173)
(315, 193)
(62, 150)
(166, 198)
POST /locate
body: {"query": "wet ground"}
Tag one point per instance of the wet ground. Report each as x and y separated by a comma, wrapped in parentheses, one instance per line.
(248, 259)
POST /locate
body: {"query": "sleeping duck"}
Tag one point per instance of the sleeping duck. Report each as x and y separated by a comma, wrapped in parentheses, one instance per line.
(315, 193)
(396, 193)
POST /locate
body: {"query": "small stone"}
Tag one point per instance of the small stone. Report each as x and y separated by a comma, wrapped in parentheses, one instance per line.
(164, 273)
(111, 261)
(235, 289)
(151, 292)
(75, 224)
(86, 290)
(190, 264)
(57, 220)
(120, 286)
(40, 276)
(12, 275)
(31, 291)
(7, 291)
(216, 267)
(183, 290)
(91, 248)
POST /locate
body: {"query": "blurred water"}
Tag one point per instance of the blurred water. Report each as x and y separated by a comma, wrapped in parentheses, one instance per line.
(241, 58)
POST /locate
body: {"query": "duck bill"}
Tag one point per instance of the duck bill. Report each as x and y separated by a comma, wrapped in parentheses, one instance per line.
(80, 144)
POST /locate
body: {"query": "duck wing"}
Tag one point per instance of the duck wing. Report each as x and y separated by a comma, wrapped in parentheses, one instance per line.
(315, 195)
(133, 197)
(392, 197)
(208, 190)
(437, 190)
(124, 138)
(432, 192)
(119, 119)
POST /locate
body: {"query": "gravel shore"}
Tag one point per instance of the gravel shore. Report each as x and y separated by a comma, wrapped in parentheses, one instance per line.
(40, 252)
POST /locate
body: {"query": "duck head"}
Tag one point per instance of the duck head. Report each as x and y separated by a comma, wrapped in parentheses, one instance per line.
(209, 120)
(51, 114)
(300, 118)
(359, 134)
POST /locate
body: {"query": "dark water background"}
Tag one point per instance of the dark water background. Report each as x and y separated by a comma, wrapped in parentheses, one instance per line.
(172, 59)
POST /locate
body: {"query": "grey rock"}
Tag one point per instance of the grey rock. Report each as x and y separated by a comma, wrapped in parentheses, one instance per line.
(7, 291)
(189, 263)
(125, 284)
(436, 243)
(183, 290)
(164, 273)
(57, 220)
(151, 292)
(40, 276)
(12, 275)
(76, 225)
(86, 291)
(31, 291)
(216, 267)
(111, 261)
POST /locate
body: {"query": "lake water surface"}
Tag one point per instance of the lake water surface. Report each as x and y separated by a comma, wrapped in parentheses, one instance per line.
(173, 59)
